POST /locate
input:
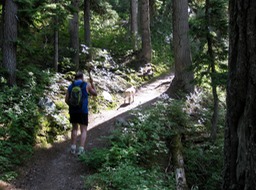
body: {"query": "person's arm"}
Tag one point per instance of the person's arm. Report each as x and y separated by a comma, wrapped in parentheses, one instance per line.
(91, 89)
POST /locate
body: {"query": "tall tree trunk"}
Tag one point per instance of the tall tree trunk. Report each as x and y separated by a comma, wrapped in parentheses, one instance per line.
(183, 79)
(214, 120)
(134, 23)
(2, 28)
(87, 31)
(74, 33)
(215, 114)
(152, 9)
(145, 27)
(87, 28)
(56, 40)
(56, 49)
(10, 40)
(240, 131)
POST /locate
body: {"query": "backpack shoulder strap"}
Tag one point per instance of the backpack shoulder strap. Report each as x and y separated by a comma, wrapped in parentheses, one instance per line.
(82, 84)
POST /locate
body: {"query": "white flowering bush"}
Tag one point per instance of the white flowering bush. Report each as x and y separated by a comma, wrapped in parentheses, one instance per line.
(21, 119)
(18, 123)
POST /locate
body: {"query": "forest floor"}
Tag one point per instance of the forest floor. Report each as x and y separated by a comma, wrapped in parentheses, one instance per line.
(54, 168)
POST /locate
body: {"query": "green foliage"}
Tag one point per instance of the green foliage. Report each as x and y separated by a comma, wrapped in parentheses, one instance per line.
(66, 65)
(112, 37)
(8, 176)
(138, 150)
(161, 33)
(140, 144)
(17, 125)
(216, 28)
(36, 20)
(95, 158)
(199, 105)
(20, 120)
(121, 7)
(203, 159)
(204, 165)
(129, 177)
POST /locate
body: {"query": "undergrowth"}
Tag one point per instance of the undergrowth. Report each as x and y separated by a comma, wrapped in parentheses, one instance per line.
(204, 158)
(138, 155)
(18, 125)
(22, 121)
(139, 152)
(204, 165)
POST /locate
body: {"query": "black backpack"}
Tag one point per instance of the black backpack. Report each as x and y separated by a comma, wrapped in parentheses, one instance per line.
(76, 96)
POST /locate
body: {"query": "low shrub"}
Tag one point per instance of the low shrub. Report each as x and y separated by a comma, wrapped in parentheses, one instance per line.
(138, 154)
(20, 121)
(127, 176)
(204, 165)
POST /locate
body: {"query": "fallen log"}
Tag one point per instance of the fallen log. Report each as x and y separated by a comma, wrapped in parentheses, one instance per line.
(178, 163)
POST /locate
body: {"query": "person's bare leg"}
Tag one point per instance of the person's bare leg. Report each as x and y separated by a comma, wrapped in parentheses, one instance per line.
(83, 129)
(73, 138)
(74, 133)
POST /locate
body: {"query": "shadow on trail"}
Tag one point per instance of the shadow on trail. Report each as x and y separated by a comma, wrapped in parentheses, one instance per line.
(55, 168)
(123, 106)
(95, 134)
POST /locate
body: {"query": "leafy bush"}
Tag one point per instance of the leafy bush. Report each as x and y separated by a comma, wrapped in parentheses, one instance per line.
(17, 126)
(128, 177)
(204, 159)
(95, 158)
(139, 150)
(204, 165)
(20, 118)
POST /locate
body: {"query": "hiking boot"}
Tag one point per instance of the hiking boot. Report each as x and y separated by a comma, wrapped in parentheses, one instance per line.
(80, 150)
(73, 149)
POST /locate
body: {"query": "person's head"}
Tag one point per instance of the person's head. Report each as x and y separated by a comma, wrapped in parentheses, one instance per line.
(79, 75)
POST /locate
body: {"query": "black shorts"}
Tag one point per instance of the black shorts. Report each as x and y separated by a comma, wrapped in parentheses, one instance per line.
(80, 118)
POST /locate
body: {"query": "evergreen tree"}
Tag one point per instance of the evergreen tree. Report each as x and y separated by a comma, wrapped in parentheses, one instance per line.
(240, 131)
(10, 35)
(145, 34)
(74, 32)
(134, 23)
(210, 48)
(183, 80)
(87, 30)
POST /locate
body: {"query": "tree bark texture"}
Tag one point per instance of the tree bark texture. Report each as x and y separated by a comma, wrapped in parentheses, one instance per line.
(183, 75)
(134, 23)
(10, 40)
(2, 27)
(56, 49)
(56, 41)
(87, 30)
(145, 27)
(214, 120)
(74, 33)
(240, 131)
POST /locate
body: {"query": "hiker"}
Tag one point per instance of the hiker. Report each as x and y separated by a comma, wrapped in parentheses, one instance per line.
(78, 111)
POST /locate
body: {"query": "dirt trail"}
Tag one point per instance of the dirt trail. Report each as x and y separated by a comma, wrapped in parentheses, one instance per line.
(54, 168)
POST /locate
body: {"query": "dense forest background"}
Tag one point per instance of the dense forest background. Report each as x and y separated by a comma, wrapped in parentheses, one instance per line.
(43, 43)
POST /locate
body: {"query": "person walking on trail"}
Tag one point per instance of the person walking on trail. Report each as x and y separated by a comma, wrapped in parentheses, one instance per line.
(77, 99)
